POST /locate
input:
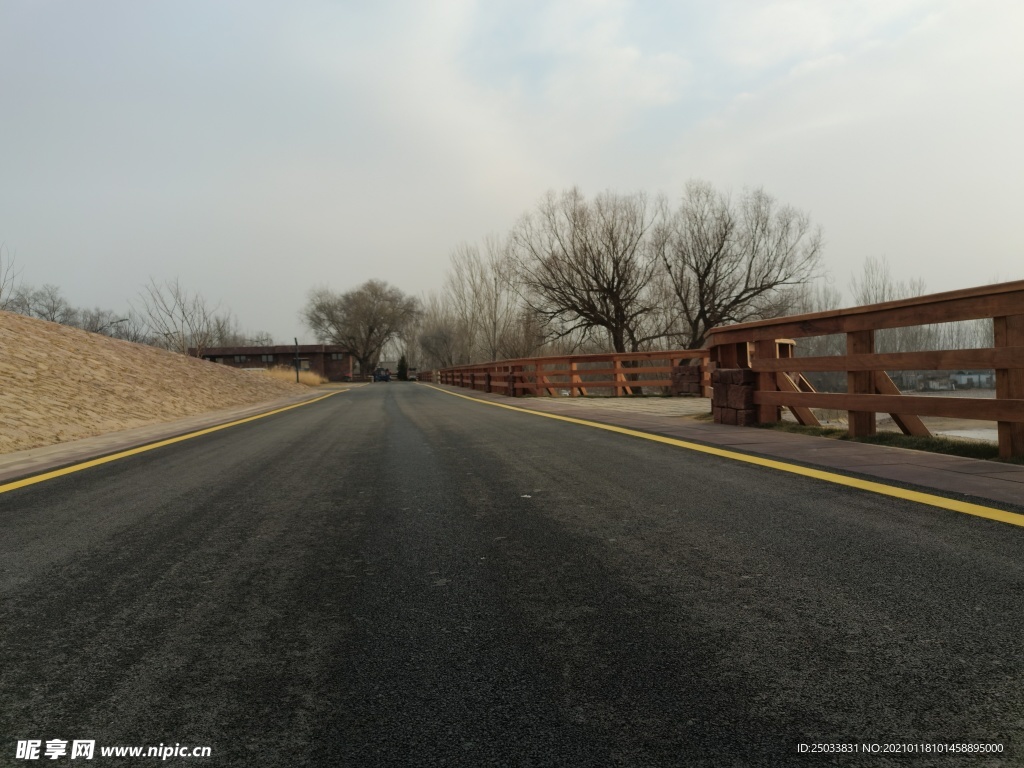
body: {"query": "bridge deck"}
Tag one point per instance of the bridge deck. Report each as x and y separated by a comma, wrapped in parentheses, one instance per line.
(398, 576)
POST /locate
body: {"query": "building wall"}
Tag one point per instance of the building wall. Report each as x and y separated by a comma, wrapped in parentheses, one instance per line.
(329, 360)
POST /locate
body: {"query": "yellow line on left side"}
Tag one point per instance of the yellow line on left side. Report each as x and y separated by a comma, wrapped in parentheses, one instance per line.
(150, 446)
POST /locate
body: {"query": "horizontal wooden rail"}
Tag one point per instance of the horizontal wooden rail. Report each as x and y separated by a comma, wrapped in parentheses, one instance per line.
(598, 371)
(951, 407)
(987, 301)
(944, 360)
(625, 373)
(775, 378)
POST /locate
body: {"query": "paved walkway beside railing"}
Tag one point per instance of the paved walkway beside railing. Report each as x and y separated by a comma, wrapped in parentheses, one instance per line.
(673, 417)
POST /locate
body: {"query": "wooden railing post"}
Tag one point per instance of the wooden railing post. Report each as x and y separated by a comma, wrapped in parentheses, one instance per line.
(620, 379)
(1008, 331)
(765, 382)
(861, 423)
(575, 382)
(542, 379)
(731, 355)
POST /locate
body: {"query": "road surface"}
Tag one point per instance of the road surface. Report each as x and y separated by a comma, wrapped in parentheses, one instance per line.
(394, 576)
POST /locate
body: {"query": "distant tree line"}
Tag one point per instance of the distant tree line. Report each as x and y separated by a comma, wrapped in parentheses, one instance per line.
(623, 272)
(618, 272)
(164, 314)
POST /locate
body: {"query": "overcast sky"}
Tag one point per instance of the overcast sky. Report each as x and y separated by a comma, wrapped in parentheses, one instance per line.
(257, 149)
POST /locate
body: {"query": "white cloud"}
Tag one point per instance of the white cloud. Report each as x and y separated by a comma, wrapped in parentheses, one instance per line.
(908, 148)
(756, 35)
(350, 141)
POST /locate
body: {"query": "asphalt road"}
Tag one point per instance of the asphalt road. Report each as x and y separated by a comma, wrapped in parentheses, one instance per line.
(398, 577)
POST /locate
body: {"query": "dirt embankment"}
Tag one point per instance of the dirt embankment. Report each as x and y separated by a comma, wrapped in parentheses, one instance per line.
(59, 384)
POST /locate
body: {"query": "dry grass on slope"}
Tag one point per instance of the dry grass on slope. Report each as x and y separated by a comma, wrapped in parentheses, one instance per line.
(309, 378)
(59, 384)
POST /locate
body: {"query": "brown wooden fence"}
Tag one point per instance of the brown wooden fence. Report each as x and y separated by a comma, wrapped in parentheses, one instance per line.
(574, 375)
(777, 379)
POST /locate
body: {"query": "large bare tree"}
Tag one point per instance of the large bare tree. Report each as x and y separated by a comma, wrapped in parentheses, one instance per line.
(362, 320)
(731, 261)
(589, 265)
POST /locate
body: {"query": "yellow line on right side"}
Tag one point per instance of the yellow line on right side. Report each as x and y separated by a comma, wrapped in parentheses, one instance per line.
(929, 499)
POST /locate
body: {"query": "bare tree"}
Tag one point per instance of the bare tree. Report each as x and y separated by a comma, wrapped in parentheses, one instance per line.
(132, 327)
(97, 320)
(443, 338)
(46, 303)
(875, 285)
(227, 332)
(481, 290)
(818, 296)
(527, 337)
(175, 318)
(362, 320)
(589, 265)
(8, 278)
(730, 262)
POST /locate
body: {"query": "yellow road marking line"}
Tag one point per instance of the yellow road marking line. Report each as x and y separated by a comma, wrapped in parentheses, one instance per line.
(871, 486)
(151, 446)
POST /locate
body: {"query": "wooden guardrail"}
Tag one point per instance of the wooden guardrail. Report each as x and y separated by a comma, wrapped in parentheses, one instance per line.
(776, 379)
(624, 373)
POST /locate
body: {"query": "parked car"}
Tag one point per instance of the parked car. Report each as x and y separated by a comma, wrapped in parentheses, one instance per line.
(382, 374)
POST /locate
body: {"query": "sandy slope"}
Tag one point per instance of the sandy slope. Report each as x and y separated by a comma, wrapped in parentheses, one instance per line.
(59, 383)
